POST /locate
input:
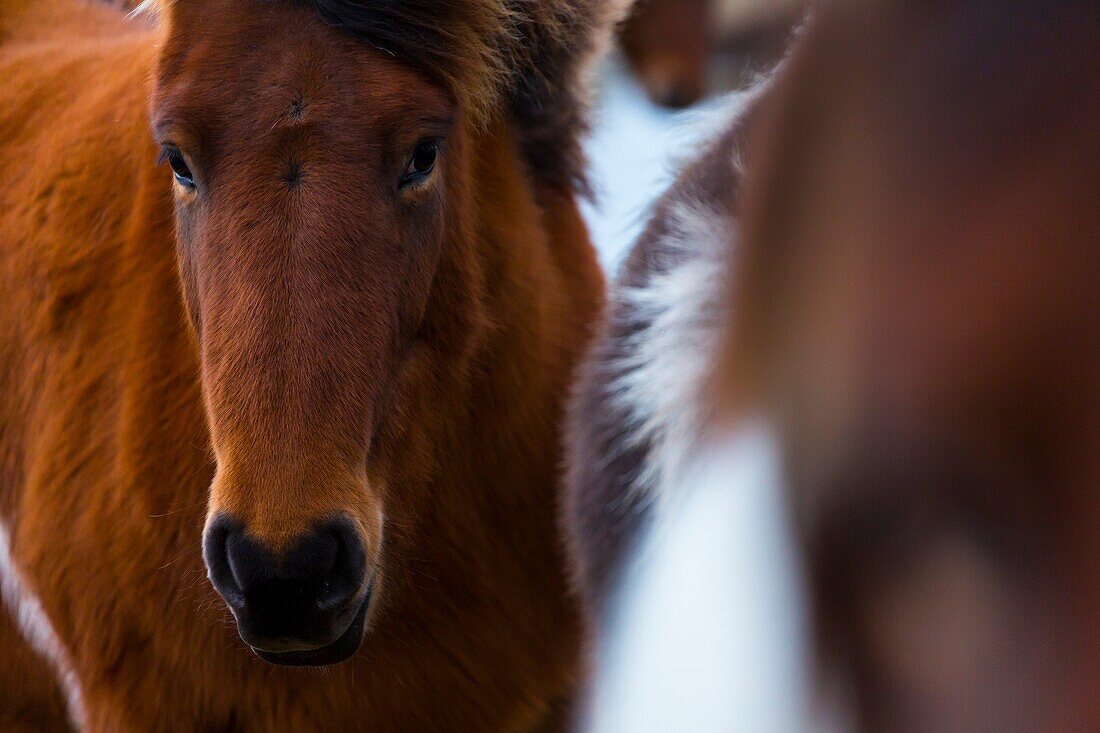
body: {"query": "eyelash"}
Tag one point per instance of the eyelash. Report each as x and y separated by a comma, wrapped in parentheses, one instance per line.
(182, 172)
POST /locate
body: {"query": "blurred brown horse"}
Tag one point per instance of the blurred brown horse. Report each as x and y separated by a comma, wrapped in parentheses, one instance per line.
(911, 304)
(335, 327)
(672, 45)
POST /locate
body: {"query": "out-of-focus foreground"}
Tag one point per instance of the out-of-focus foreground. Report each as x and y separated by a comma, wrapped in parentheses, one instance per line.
(875, 291)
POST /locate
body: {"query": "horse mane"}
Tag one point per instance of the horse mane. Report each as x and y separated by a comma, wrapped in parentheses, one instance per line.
(527, 58)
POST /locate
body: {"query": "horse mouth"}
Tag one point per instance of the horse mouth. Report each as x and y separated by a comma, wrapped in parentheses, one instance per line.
(344, 647)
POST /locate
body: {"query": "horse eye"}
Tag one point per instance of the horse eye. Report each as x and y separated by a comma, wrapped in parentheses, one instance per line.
(175, 161)
(422, 162)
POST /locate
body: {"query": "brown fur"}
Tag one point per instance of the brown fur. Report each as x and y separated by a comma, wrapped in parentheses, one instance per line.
(917, 313)
(30, 701)
(333, 349)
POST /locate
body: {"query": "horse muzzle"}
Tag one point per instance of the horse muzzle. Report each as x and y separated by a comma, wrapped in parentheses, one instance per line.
(304, 606)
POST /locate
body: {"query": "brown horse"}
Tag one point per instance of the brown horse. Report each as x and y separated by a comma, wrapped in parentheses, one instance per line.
(904, 268)
(668, 44)
(671, 45)
(330, 336)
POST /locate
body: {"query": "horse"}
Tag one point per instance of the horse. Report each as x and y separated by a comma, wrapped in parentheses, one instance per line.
(293, 290)
(885, 270)
(671, 45)
(668, 45)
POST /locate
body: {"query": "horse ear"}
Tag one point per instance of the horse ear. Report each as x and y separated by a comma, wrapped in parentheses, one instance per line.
(558, 43)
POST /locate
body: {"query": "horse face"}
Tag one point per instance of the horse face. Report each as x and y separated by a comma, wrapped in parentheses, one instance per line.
(309, 185)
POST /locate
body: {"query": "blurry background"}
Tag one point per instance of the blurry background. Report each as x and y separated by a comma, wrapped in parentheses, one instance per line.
(676, 63)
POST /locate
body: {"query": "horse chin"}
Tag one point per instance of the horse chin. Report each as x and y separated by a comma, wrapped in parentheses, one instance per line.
(338, 651)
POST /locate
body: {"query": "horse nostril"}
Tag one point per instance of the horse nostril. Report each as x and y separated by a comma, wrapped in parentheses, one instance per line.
(347, 568)
(215, 552)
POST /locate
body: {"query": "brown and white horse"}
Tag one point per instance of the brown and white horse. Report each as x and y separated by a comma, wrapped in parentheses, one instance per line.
(323, 347)
(891, 265)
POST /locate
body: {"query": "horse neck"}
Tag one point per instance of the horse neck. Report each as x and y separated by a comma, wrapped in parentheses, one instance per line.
(71, 21)
(543, 285)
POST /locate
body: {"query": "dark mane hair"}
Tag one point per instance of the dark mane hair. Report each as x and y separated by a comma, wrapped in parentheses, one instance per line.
(525, 58)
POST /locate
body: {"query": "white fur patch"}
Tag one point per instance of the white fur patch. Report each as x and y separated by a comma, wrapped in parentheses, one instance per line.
(31, 620)
(683, 309)
(667, 362)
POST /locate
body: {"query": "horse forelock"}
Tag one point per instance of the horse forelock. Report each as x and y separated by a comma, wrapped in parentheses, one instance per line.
(529, 59)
